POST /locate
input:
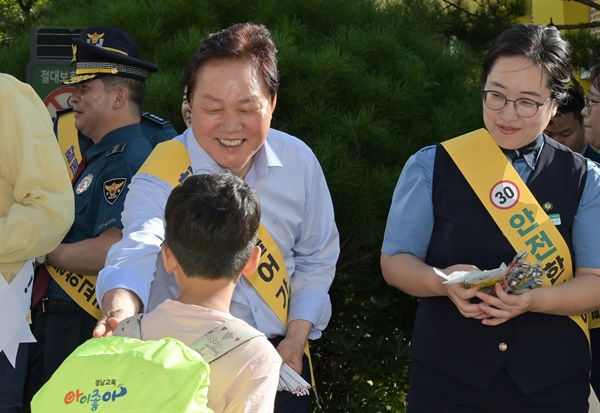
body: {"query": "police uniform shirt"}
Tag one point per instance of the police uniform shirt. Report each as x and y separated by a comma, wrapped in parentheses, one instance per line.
(156, 129)
(100, 190)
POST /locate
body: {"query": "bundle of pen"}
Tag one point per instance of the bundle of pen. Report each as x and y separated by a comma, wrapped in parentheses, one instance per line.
(515, 278)
(522, 275)
(291, 381)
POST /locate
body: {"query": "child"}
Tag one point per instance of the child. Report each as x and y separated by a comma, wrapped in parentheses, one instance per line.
(211, 233)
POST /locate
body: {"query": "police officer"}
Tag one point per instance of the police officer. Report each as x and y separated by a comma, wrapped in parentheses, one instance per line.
(107, 108)
(154, 128)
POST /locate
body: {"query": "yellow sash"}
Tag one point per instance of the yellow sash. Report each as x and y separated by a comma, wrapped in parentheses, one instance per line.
(68, 141)
(512, 206)
(170, 161)
(81, 288)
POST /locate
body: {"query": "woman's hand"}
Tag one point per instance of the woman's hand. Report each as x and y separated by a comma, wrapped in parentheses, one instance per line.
(461, 296)
(503, 306)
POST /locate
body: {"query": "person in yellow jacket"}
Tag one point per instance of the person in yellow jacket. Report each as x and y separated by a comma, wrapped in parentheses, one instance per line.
(36, 211)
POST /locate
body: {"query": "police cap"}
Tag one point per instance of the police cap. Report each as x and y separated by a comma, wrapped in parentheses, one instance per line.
(101, 51)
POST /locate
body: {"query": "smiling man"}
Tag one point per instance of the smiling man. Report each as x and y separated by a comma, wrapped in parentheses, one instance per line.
(107, 108)
(232, 82)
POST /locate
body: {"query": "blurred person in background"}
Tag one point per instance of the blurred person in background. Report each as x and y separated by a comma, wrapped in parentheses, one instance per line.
(566, 126)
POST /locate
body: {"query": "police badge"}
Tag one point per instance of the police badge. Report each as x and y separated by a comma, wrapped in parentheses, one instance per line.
(84, 184)
(113, 189)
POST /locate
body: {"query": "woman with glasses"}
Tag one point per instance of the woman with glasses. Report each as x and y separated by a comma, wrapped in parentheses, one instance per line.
(591, 111)
(475, 202)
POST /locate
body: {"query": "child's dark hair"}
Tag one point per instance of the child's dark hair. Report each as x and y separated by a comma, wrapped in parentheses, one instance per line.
(211, 225)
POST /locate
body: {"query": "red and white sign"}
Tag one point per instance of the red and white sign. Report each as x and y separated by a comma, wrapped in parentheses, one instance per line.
(59, 99)
(505, 194)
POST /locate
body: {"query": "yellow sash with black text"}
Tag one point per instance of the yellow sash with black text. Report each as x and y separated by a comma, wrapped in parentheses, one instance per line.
(513, 207)
(170, 161)
(68, 141)
(81, 288)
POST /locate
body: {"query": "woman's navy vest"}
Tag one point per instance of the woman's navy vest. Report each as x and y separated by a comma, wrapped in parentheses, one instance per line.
(465, 233)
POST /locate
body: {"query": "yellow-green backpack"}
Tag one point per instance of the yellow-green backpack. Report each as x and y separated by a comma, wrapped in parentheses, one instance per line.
(124, 374)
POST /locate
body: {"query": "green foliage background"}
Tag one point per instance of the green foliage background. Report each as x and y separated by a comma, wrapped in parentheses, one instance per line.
(365, 84)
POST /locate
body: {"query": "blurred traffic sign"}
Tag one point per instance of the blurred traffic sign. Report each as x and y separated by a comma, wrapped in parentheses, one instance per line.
(48, 67)
(59, 99)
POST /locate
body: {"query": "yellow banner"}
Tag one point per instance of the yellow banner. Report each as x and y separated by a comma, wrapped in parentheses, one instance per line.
(68, 141)
(81, 288)
(513, 207)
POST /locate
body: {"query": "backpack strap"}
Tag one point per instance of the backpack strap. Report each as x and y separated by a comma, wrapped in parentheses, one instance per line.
(214, 344)
(224, 338)
(131, 327)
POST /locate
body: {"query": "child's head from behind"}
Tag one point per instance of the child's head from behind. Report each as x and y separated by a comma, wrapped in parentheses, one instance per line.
(211, 225)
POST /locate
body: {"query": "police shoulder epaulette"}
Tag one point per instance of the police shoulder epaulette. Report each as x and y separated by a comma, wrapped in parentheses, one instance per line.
(116, 149)
(154, 118)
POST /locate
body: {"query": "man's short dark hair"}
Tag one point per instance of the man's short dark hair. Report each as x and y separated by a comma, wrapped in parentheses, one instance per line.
(137, 88)
(211, 225)
(573, 103)
(244, 42)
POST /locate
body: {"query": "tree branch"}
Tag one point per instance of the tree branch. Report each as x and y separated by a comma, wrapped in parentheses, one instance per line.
(12, 23)
(589, 3)
(577, 26)
(457, 7)
(341, 266)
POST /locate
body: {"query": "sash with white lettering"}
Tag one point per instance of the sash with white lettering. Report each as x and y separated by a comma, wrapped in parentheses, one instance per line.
(81, 288)
(170, 161)
(513, 207)
(68, 141)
